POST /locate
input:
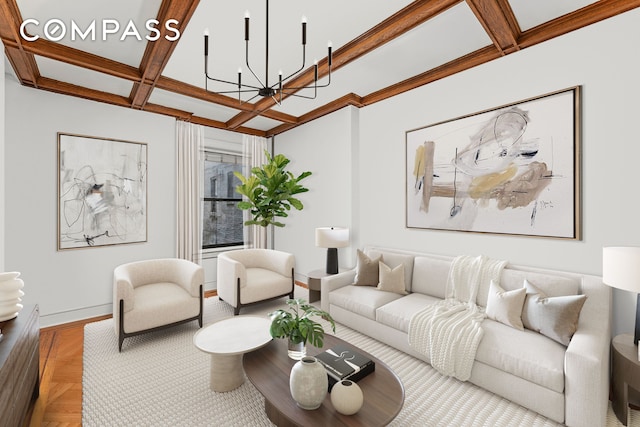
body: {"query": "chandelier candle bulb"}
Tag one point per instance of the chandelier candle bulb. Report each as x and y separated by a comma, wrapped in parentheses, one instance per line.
(246, 26)
(304, 30)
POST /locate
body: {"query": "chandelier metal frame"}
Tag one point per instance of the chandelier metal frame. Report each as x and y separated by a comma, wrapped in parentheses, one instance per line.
(277, 89)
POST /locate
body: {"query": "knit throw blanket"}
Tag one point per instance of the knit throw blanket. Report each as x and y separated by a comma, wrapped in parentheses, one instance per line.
(449, 332)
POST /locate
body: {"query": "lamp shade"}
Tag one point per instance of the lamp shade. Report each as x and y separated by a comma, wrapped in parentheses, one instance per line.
(621, 267)
(332, 237)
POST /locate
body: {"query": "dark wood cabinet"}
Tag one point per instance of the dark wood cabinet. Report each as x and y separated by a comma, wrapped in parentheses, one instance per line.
(19, 365)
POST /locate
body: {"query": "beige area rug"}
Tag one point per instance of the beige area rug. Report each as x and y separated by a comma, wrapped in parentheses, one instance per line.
(161, 379)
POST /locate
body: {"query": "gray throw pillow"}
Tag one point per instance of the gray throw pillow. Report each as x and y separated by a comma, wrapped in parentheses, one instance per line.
(367, 270)
(554, 317)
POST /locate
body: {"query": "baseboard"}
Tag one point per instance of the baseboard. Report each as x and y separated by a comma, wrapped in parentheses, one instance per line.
(70, 316)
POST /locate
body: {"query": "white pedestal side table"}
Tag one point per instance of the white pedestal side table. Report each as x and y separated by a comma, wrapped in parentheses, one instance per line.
(227, 340)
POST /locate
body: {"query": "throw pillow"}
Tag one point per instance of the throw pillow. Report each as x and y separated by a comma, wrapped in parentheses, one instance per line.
(392, 280)
(366, 270)
(506, 306)
(554, 317)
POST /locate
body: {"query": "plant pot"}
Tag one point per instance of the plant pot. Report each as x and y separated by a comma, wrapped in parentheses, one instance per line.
(297, 350)
(308, 383)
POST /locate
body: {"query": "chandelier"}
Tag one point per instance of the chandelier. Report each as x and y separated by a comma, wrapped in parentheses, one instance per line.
(264, 88)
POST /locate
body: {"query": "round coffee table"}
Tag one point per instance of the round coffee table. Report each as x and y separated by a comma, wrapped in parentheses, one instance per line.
(227, 340)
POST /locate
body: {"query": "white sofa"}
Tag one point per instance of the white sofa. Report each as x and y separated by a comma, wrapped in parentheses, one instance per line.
(566, 384)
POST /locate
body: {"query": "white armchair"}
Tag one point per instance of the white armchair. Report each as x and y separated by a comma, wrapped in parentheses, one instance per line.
(155, 294)
(249, 276)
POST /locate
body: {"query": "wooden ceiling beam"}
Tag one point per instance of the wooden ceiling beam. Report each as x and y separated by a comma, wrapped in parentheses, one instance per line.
(157, 53)
(221, 125)
(413, 15)
(23, 63)
(497, 19)
(69, 55)
(580, 18)
(335, 105)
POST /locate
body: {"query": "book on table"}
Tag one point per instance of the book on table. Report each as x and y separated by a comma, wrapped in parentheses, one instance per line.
(345, 363)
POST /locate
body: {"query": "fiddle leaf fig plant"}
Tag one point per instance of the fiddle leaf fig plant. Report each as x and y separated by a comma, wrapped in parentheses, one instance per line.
(270, 191)
(295, 323)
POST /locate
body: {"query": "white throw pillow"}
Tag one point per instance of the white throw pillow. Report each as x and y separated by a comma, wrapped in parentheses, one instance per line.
(506, 306)
(392, 280)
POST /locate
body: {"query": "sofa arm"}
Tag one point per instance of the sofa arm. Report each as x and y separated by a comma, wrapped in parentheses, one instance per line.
(587, 361)
(333, 282)
(229, 271)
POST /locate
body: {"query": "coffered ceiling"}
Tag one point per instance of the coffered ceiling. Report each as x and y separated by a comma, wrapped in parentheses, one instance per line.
(381, 48)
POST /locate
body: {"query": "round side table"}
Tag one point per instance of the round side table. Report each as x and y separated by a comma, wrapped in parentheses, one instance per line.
(625, 378)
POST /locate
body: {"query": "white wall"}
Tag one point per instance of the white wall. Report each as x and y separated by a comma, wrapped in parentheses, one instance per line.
(599, 58)
(323, 147)
(2, 172)
(75, 284)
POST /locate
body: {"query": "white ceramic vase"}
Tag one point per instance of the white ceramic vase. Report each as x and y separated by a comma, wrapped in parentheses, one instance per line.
(308, 383)
(10, 295)
(347, 397)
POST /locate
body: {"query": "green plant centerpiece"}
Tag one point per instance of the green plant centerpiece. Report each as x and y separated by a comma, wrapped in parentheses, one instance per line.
(295, 324)
(270, 191)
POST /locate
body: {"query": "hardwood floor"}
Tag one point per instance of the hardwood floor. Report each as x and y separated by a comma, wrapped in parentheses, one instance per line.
(60, 400)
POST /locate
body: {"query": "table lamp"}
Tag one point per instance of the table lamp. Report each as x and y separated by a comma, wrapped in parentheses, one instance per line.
(332, 238)
(621, 269)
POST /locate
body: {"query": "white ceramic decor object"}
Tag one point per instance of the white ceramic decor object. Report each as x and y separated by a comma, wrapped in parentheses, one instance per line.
(347, 397)
(308, 383)
(10, 295)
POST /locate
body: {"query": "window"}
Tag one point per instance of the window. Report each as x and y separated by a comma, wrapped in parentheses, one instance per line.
(221, 218)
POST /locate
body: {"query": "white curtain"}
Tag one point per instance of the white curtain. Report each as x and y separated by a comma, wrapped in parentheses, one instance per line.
(190, 155)
(254, 147)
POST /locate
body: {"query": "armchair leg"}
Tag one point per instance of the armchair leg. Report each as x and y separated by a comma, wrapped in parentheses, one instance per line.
(121, 326)
(293, 284)
(236, 309)
(201, 307)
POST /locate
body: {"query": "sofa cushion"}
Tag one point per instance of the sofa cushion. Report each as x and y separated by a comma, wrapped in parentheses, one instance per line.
(552, 285)
(393, 259)
(159, 304)
(554, 317)
(367, 270)
(430, 276)
(506, 306)
(391, 280)
(526, 354)
(398, 313)
(362, 300)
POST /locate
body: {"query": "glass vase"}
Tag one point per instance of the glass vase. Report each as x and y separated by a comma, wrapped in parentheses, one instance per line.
(297, 350)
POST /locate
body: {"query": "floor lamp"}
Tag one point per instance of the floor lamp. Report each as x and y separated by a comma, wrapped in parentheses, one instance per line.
(621, 269)
(332, 238)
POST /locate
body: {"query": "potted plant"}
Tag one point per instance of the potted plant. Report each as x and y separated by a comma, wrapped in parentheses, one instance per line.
(269, 191)
(296, 325)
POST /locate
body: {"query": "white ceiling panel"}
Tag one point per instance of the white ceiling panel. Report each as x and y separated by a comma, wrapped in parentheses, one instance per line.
(406, 56)
(262, 123)
(83, 77)
(83, 13)
(533, 13)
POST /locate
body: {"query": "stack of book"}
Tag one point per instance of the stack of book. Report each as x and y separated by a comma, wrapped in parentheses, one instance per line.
(343, 362)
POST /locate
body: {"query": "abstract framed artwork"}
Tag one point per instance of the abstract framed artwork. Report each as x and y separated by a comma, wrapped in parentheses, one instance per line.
(514, 169)
(102, 191)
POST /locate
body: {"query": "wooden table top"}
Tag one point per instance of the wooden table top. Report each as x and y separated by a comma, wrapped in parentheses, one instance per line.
(268, 368)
